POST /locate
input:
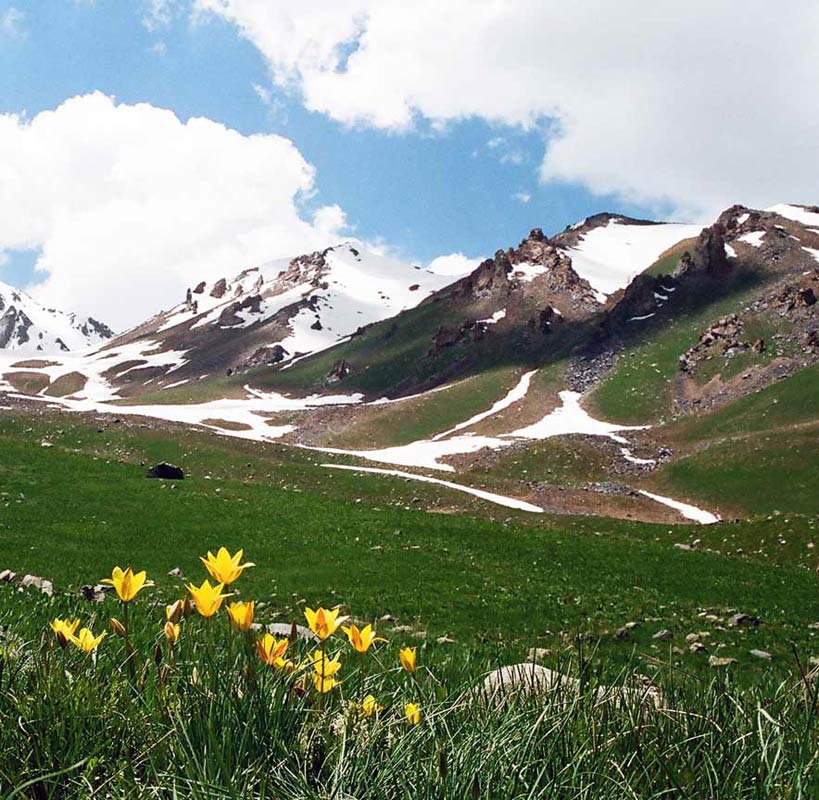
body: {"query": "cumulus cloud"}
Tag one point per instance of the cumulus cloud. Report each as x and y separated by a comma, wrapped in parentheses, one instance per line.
(127, 205)
(697, 104)
(453, 264)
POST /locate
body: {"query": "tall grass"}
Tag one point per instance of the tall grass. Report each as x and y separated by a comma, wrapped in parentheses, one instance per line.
(208, 719)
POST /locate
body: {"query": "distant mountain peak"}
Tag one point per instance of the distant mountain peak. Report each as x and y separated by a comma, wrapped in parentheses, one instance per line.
(28, 327)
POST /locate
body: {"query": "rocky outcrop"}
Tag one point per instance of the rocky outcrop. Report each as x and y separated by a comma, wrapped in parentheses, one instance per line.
(707, 258)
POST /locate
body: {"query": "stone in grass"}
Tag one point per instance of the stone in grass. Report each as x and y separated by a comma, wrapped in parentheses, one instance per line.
(95, 593)
(697, 647)
(539, 653)
(7, 576)
(166, 471)
(721, 661)
(36, 582)
(764, 655)
(664, 634)
(530, 678)
(744, 619)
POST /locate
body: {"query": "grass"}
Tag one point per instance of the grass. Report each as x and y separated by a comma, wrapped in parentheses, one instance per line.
(326, 537)
(410, 420)
(207, 719)
(639, 387)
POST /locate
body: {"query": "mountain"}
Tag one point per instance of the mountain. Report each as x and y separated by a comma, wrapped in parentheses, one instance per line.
(28, 328)
(276, 314)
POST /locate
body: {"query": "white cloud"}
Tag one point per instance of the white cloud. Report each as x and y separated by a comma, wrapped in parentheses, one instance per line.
(158, 14)
(11, 23)
(129, 205)
(523, 197)
(453, 264)
(700, 104)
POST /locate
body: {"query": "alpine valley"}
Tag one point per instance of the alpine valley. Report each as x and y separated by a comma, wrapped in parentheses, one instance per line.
(610, 369)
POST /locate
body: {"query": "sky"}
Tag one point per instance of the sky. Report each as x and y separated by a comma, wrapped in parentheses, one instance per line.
(149, 144)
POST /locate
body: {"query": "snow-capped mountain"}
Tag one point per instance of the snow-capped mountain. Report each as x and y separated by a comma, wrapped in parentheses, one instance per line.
(274, 314)
(28, 327)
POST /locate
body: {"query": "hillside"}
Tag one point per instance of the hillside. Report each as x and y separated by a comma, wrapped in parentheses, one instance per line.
(556, 377)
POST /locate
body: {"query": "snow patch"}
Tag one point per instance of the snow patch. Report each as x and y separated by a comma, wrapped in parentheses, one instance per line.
(795, 213)
(499, 499)
(609, 257)
(754, 238)
(688, 511)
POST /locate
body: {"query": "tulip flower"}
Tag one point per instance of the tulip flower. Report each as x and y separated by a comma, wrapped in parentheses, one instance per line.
(370, 706)
(361, 640)
(324, 666)
(224, 567)
(412, 711)
(86, 640)
(271, 650)
(118, 628)
(241, 615)
(407, 657)
(171, 630)
(325, 684)
(127, 583)
(64, 629)
(322, 622)
(207, 599)
(173, 612)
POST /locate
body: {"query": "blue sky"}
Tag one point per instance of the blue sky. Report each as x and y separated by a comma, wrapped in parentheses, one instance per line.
(430, 128)
(425, 193)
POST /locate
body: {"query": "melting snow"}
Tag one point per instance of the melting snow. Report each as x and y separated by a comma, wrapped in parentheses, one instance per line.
(501, 500)
(754, 238)
(609, 257)
(688, 511)
(795, 213)
(645, 316)
(743, 218)
(813, 251)
(515, 394)
(730, 252)
(496, 317)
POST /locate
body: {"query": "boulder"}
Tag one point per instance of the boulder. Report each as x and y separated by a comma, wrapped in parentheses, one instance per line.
(36, 582)
(166, 471)
(534, 679)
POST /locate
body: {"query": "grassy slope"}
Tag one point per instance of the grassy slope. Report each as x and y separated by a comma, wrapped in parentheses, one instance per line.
(638, 389)
(73, 510)
(756, 455)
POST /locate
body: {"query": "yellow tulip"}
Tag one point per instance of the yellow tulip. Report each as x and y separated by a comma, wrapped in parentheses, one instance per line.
(361, 640)
(412, 711)
(271, 650)
(322, 622)
(63, 629)
(370, 706)
(171, 630)
(325, 684)
(241, 615)
(407, 657)
(207, 599)
(127, 583)
(224, 567)
(284, 664)
(323, 665)
(86, 640)
(173, 612)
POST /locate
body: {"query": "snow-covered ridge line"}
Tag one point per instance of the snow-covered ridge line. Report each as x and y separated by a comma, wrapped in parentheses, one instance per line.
(28, 328)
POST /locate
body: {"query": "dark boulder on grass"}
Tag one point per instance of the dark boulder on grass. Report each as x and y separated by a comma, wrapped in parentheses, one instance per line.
(166, 472)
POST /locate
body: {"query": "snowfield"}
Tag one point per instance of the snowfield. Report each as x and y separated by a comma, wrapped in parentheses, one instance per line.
(610, 256)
